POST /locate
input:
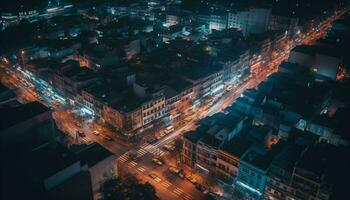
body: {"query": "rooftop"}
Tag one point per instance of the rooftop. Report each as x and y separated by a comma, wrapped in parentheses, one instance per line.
(211, 141)
(237, 146)
(16, 115)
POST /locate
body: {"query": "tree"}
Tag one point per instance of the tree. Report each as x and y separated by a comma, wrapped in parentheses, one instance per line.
(127, 187)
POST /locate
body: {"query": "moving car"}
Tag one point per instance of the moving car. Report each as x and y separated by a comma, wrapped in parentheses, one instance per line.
(157, 161)
(191, 179)
(108, 138)
(96, 133)
(169, 129)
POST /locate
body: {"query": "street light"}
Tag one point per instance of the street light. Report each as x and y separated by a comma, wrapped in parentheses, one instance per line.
(22, 52)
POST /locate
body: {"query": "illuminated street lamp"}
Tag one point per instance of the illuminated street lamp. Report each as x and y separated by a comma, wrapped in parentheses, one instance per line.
(22, 57)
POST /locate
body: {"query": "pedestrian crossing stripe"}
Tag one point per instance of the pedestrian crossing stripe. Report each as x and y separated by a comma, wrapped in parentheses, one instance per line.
(141, 151)
(133, 163)
(144, 145)
(123, 160)
(166, 184)
(187, 197)
(178, 191)
(141, 169)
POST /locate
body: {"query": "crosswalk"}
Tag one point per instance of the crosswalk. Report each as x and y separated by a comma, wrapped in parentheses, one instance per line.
(178, 191)
(140, 153)
(166, 184)
(132, 164)
(187, 197)
(141, 169)
(146, 147)
(123, 158)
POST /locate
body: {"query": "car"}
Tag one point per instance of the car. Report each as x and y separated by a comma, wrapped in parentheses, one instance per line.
(216, 193)
(169, 129)
(157, 161)
(155, 177)
(162, 135)
(169, 147)
(191, 179)
(108, 138)
(200, 187)
(153, 140)
(205, 192)
(81, 134)
(158, 137)
(174, 170)
(96, 133)
(181, 175)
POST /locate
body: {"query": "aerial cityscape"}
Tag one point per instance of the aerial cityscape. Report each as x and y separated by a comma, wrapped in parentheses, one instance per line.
(175, 99)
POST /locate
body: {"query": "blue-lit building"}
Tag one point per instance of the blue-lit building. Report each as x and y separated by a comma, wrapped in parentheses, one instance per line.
(252, 172)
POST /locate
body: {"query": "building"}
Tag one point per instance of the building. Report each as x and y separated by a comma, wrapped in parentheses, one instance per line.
(250, 21)
(229, 158)
(29, 135)
(280, 174)
(252, 172)
(6, 96)
(69, 78)
(310, 177)
(319, 60)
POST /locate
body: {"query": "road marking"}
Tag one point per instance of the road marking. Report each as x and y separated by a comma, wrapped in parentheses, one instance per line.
(166, 184)
(187, 197)
(178, 191)
(141, 152)
(123, 160)
(143, 145)
(141, 169)
(133, 163)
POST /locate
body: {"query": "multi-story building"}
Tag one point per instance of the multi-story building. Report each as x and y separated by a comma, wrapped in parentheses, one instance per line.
(122, 117)
(279, 178)
(253, 20)
(229, 158)
(207, 153)
(320, 60)
(189, 150)
(252, 173)
(311, 178)
(68, 79)
(214, 21)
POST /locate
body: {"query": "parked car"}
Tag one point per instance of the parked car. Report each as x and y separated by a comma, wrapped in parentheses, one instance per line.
(169, 147)
(200, 187)
(108, 138)
(191, 179)
(157, 161)
(81, 134)
(174, 170)
(181, 175)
